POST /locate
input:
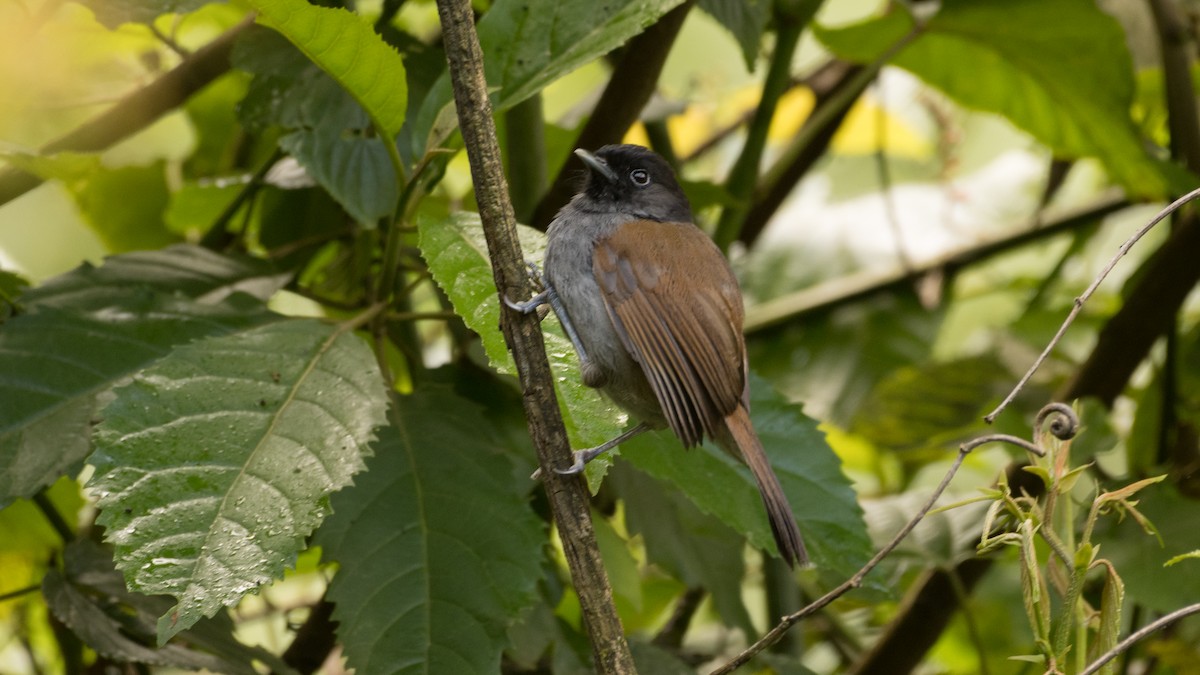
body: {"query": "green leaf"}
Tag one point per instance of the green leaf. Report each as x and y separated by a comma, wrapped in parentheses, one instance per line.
(344, 46)
(12, 285)
(696, 548)
(354, 169)
(438, 550)
(1111, 601)
(193, 208)
(55, 362)
(125, 224)
(527, 44)
(1059, 69)
(1141, 559)
(89, 597)
(457, 255)
(1190, 555)
(810, 473)
(745, 20)
(182, 269)
(70, 168)
(113, 13)
(930, 405)
(650, 658)
(215, 464)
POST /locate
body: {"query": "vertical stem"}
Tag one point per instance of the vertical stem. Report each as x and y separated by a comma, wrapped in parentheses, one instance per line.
(744, 175)
(567, 494)
(526, 141)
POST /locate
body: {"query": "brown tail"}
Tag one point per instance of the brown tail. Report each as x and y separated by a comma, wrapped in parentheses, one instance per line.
(743, 443)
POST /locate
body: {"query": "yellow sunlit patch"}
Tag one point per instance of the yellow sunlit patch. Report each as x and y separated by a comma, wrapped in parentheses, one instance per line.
(637, 135)
(859, 134)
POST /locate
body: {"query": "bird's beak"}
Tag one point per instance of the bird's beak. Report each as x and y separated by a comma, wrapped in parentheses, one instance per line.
(596, 164)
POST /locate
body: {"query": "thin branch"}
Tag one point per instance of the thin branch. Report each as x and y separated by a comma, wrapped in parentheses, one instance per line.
(855, 581)
(1124, 248)
(847, 289)
(19, 592)
(629, 88)
(883, 168)
(1133, 638)
(568, 495)
(53, 516)
(137, 110)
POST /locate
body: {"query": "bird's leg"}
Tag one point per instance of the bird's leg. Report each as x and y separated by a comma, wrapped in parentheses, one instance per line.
(582, 457)
(548, 296)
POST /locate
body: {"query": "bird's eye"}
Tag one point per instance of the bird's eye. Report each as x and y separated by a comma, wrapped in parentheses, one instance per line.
(639, 177)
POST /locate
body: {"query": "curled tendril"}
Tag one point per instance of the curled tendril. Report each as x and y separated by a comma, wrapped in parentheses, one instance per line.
(1064, 423)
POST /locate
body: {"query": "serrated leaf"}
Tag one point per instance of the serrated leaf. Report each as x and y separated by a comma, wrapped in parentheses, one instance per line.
(89, 597)
(55, 362)
(1059, 69)
(527, 44)
(820, 494)
(344, 46)
(744, 19)
(181, 269)
(438, 550)
(696, 548)
(354, 169)
(456, 252)
(215, 464)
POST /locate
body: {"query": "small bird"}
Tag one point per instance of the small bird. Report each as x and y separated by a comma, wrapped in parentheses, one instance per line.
(655, 314)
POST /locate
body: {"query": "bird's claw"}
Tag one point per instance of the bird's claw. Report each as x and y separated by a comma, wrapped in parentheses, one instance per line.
(535, 276)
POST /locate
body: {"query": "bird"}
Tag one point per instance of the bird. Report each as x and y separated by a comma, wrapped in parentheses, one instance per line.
(655, 314)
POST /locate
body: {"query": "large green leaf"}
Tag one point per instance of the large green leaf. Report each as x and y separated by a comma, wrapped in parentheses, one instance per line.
(527, 44)
(55, 362)
(344, 46)
(1059, 69)
(355, 169)
(438, 550)
(695, 547)
(182, 269)
(215, 464)
(456, 253)
(820, 494)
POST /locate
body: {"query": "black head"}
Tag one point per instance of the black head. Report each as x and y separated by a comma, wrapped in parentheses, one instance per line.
(631, 179)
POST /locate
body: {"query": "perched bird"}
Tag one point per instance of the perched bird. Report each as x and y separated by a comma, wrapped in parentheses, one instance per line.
(655, 314)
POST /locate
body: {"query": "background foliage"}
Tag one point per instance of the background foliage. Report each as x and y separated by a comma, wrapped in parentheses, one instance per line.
(256, 413)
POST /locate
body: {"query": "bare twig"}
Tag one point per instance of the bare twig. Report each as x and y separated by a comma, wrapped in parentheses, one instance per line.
(1124, 248)
(1134, 637)
(855, 581)
(568, 495)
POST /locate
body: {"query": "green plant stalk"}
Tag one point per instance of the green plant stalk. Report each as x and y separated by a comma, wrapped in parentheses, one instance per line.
(744, 175)
(526, 141)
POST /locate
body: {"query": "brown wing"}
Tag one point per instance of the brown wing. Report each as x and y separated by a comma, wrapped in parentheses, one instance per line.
(676, 306)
